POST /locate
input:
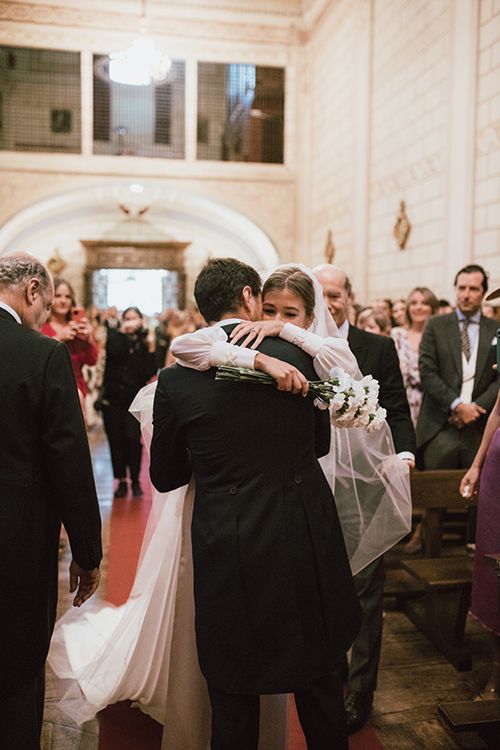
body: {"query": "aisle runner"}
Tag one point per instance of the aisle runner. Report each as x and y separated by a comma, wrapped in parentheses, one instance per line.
(123, 728)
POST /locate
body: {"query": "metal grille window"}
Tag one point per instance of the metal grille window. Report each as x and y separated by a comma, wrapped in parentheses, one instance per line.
(40, 107)
(241, 112)
(139, 120)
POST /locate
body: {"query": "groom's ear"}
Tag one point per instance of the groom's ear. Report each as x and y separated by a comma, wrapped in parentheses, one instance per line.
(251, 303)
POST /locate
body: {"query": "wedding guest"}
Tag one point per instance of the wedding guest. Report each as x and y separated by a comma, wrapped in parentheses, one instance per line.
(421, 304)
(45, 479)
(374, 321)
(376, 356)
(69, 324)
(111, 319)
(399, 312)
(384, 305)
(130, 363)
(459, 385)
(484, 606)
(444, 307)
(491, 311)
(457, 354)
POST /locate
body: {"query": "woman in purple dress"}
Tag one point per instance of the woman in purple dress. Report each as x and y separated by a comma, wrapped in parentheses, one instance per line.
(485, 605)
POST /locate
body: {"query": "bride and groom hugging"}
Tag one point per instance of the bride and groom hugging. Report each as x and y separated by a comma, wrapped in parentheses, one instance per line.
(275, 605)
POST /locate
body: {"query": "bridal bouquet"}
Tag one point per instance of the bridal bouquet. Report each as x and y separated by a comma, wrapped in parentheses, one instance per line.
(352, 403)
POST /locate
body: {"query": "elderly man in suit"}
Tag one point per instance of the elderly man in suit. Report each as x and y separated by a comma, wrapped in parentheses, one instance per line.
(377, 356)
(45, 478)
(457, 354)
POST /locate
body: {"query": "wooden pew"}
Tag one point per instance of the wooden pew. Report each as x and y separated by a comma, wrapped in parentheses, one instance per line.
(474, 716)
(477, 716)
(435, 592)
(442, 613)
(434, 491)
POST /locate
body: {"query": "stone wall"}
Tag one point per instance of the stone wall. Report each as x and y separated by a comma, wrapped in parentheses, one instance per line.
(398, 81)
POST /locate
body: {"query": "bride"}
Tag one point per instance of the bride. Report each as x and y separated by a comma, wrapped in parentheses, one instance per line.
(145, 650)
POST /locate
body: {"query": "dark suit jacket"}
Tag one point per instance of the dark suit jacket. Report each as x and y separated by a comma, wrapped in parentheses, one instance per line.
(45, 478)
(377, 356)
(440, 364)
(274, 599)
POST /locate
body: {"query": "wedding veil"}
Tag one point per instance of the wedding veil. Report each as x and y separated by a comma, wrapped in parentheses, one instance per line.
(371, 485)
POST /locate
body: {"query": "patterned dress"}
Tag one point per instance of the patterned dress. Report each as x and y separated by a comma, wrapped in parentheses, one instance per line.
(408, 361)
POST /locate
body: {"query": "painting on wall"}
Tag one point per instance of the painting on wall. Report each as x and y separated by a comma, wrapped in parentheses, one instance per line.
(60, 120)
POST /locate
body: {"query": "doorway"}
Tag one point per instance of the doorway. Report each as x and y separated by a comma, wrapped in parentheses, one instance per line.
(152, 290)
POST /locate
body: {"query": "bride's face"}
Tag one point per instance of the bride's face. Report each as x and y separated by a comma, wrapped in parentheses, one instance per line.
(287, 306)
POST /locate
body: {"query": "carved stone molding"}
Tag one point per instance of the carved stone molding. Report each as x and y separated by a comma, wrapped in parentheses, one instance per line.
(404, 178)
(91, 18)
(108, 254)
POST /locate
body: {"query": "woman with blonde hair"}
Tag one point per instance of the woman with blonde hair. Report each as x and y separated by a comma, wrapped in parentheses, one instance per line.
(420, 305)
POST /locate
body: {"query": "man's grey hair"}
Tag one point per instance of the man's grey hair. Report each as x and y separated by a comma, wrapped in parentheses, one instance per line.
(17, 270)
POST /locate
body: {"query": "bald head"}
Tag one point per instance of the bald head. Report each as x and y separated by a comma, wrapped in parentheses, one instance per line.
(26, 286)
(336, 290)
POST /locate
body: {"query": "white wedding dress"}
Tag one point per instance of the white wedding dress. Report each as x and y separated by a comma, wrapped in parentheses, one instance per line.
(145, 650)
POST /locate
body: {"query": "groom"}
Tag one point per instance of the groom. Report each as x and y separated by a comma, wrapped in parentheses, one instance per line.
(274, 600)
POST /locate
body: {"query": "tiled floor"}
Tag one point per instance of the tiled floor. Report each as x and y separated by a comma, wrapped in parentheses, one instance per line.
(59, 731)
(413, 676)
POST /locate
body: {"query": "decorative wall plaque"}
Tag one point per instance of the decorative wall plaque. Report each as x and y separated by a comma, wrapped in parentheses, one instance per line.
(56, 264)
(329, 247)
(402, 227)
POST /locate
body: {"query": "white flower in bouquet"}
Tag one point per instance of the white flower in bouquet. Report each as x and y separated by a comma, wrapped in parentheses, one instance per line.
(352, 403)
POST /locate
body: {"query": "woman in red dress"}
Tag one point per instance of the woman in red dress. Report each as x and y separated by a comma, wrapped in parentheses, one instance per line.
(68, 323)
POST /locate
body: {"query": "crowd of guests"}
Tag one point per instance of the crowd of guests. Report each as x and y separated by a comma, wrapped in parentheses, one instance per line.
(114, 355)
(435, 363)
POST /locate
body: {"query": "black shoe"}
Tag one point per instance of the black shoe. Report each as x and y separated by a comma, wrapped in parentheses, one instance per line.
(358, 706)
(122, 489)
(136, 489)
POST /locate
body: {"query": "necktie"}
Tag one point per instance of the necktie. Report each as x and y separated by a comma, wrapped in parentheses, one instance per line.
(464, 338)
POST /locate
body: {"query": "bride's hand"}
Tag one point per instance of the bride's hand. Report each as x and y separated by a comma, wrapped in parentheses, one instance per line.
(287, 377)
(256, 331)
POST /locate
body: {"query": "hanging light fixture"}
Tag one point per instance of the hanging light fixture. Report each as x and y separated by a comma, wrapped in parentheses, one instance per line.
(141, 63)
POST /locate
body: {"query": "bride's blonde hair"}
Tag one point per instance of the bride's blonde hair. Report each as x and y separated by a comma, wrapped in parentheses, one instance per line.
(296, 281)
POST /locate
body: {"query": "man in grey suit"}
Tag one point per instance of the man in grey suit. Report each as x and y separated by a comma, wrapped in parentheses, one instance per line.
(457, 354)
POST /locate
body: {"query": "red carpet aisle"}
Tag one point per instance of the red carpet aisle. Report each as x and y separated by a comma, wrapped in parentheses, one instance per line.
(123, 728)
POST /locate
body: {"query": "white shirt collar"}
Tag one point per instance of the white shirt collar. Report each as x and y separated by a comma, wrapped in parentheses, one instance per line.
(344, 329)
(10, 310)
(228, 321)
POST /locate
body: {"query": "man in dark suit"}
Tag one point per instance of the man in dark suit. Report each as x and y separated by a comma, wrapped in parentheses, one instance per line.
(274, 601)
(45, 478)
(457, 354)
(377, 356)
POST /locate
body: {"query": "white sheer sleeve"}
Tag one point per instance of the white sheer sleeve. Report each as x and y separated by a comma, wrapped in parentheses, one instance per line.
(327, 352)
(209, 347)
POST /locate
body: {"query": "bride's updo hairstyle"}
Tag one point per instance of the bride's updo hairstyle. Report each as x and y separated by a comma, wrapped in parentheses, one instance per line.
(296, 281)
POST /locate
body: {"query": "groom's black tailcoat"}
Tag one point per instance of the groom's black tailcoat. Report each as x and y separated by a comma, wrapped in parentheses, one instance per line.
(274, 599)
(45, 478)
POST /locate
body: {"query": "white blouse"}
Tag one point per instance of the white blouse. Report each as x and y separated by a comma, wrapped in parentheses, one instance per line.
(210, 347)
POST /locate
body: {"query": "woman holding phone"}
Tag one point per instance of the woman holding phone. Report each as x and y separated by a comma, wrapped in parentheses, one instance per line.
(68, 323)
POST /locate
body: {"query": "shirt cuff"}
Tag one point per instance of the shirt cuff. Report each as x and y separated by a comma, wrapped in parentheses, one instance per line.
(406, 454)
(224, 353)
(456, 401)
(306, 340)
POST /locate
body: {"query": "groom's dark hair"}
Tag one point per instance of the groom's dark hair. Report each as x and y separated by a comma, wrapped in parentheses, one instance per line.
(218, 288)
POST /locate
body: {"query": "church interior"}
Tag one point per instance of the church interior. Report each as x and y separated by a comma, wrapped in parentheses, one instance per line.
(364, 133)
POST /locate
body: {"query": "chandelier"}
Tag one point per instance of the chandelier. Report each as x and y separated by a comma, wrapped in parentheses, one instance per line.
(141, 63)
